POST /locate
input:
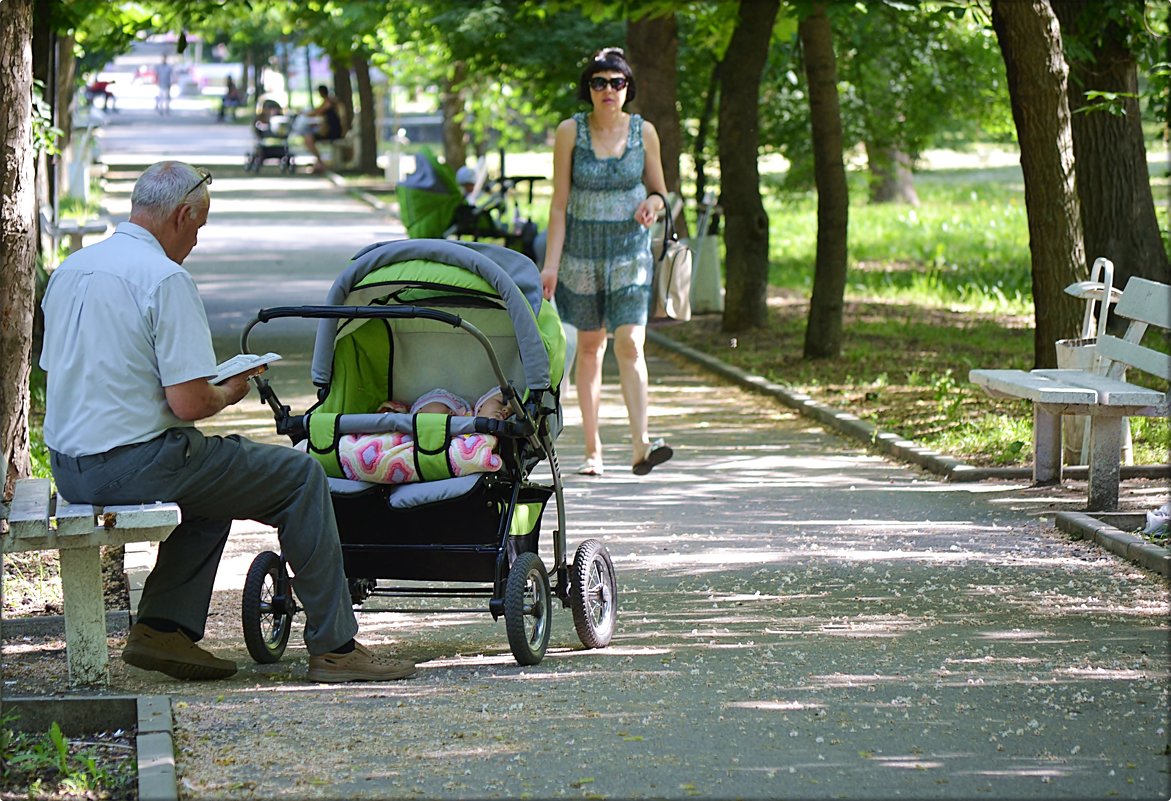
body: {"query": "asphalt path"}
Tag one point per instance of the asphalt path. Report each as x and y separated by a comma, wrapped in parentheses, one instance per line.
(798, 618)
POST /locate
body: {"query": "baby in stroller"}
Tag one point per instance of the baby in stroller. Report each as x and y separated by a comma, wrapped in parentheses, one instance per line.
(389, 457)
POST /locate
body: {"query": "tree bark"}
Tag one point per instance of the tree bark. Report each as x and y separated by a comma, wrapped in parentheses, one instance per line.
(1030, 42)
(652, 45)
(891, 178)
(745, 221)
(453, 100)
(1113, 183)
(343, 90)
(823, 332)
(368, 120)
(17, 232)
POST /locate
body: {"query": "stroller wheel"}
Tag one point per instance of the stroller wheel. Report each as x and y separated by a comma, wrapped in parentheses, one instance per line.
(528, 609)
(267, 608)
(593, 594)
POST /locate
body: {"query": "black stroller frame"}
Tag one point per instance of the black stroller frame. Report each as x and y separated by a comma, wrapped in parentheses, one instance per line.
(470, 535)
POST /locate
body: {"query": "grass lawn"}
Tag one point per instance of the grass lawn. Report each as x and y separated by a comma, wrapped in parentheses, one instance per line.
(934, 291)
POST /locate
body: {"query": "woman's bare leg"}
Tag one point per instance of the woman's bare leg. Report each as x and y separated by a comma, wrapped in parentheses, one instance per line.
(591, 350)
(629, 342)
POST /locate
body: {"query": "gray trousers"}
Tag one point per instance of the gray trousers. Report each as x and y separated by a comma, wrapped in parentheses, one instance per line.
(216, 480)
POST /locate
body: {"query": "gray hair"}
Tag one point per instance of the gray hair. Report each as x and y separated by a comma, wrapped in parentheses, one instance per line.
(166, 185)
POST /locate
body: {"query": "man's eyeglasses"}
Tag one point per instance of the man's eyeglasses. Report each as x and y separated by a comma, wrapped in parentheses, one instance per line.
(204, 178)
(600, 84)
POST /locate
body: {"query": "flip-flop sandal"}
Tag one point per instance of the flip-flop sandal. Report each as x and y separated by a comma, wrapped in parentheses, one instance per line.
(591, 467)
(659, 452)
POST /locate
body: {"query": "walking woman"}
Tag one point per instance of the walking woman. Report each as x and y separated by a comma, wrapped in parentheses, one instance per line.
(598, 262)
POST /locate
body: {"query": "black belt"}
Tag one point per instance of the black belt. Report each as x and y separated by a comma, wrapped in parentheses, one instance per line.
(87, 461)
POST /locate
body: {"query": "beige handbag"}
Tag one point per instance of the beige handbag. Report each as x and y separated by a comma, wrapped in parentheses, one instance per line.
(671, 285)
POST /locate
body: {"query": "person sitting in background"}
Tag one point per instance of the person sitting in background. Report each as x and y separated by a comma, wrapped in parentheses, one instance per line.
(328, 130)
(231, 100)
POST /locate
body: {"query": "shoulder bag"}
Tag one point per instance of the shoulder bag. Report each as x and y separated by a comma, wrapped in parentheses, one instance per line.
(671, 285)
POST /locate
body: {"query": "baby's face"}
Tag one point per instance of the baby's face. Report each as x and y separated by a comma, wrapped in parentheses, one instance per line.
(434, 407)
(495, 407)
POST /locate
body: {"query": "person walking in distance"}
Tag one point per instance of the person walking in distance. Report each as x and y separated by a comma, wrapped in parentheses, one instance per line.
(128, 354)
(598, 263)
(163, 78)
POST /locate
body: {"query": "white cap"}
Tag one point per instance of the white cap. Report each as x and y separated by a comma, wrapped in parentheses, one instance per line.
(465, 175)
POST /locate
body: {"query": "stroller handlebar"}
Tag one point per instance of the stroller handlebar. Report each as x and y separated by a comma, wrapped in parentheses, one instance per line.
(362, 312)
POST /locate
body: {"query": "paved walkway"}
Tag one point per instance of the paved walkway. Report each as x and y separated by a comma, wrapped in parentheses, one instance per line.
(798, 619)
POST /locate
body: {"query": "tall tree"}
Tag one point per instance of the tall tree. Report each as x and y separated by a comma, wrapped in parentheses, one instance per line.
(17, 246)
(1030, 41)
(1109, 148)
(823, 332)
(746, 223)
(652, 44)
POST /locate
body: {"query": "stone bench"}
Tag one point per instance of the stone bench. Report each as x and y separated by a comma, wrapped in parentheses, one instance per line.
(38, 520)
(1100, 394)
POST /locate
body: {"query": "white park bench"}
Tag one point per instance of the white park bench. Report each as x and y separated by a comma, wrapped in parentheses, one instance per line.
(38, 520)
(1102, 395)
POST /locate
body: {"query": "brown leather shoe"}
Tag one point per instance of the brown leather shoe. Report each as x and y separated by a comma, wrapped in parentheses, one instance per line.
(174, 654)
(358, 665)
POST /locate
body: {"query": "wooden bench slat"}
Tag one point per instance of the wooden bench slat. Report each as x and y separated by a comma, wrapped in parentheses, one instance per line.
(28, 515)
(1030, 386)
(1146, 359)
(140, 515)
(1147, 301)
(1111, 391)
(74, 519)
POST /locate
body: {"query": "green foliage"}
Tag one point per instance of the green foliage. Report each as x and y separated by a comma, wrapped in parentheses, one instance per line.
(49, 766)
(965, 244)
(45, 134)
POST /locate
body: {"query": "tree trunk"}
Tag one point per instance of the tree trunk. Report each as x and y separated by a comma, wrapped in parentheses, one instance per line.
(891, 178)
(1031, 45)
(455, 149)
(1113, 184)
(823, 332)
(343, 90)
(368, 120)
(17, 251)
(745, 222)
(652, 44)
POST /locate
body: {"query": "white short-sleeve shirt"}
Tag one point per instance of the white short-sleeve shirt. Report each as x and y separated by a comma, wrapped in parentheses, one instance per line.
(122, 321)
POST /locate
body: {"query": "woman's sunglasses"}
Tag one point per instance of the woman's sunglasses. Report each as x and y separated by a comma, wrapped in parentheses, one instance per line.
(600, 84)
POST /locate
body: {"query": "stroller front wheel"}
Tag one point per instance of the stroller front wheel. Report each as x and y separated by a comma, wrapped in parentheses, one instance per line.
(267, 608)
(593, 594)
(528, 609)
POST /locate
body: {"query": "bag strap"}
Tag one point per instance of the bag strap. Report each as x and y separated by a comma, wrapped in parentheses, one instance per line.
(669, 227)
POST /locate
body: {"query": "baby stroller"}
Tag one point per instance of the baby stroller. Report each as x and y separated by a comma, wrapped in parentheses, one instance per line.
(402, 318)
(271, 130)
(432, 204)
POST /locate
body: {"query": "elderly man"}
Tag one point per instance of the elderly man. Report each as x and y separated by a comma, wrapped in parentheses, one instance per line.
(128, 354)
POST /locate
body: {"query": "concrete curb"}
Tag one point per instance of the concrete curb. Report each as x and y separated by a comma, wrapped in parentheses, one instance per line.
(54, 625)
(1103, 528)
(84, 714)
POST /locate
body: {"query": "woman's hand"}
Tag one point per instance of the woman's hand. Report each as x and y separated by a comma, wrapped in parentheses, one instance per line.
(647, 211)
(548, 282)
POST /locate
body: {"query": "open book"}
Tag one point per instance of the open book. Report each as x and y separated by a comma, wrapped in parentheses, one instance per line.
(241, 363)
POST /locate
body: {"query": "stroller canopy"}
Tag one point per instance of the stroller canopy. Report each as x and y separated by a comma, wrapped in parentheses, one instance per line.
(472, 279)
(428, 197)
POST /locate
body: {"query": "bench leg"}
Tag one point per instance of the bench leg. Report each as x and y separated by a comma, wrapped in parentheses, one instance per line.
(1105, 446)
(1046, 446)
(85, 615)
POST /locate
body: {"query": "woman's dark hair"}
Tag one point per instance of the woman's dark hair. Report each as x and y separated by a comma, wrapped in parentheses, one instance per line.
(608, 59)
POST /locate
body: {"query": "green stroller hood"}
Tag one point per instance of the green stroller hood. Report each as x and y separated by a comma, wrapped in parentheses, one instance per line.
(450, 273)
(428, 197)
